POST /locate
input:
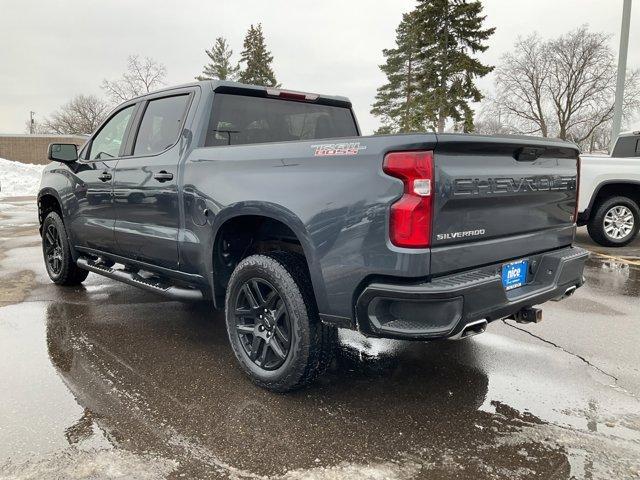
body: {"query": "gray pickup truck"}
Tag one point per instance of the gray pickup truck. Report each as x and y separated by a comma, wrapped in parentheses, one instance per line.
(268, 203)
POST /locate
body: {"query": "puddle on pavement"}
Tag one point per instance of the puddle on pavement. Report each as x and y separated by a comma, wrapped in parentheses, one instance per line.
(105, 378)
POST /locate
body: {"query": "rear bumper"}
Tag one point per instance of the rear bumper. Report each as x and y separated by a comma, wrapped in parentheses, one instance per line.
(443, 307)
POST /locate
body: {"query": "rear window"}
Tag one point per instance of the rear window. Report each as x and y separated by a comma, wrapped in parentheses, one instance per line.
(627, 146)
(240, 120)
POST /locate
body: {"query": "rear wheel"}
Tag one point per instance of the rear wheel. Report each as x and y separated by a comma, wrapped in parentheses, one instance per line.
(615, 222)
(273, 324)
(60, 266)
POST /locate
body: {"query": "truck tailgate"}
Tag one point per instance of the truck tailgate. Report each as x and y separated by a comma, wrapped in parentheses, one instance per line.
(500, 198)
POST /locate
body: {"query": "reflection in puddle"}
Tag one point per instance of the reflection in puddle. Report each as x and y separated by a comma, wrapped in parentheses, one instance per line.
(170, 386)
(614, 276)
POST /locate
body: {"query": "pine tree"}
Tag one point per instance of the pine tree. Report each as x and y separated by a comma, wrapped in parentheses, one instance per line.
(450, 33)
(257, 59)
(397, 101)
(220, 67)
(431, 72)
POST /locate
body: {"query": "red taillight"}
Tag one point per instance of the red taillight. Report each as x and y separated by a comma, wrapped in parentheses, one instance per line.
(410, 216)
(291, 95)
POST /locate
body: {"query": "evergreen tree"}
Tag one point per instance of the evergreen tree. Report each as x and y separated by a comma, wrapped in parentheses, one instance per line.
(257, 59)
(450, 33)
(220, 67)
(446, 34)
(398, 102)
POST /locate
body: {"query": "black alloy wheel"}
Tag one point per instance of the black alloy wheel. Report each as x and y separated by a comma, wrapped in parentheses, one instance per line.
(273, 323)
(56, 252)
(53, 248)
(262, 324)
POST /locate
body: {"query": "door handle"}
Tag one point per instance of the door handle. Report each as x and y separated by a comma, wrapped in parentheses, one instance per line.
(105, 176)
(163, 176)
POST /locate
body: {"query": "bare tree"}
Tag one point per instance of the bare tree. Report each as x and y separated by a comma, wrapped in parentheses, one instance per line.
(562, 87)
(81, 115)
(595, 135)
(521, 80)
(488, 121)
(142, 76)
(581, 82)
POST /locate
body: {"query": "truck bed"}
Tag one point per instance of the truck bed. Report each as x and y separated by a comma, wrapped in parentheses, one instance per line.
(516, 195)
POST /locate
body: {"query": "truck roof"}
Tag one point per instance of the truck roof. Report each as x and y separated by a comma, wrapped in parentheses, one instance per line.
(237, 87)
(634, 133)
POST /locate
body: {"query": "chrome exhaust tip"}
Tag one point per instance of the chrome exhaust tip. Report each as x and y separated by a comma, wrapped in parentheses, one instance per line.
(567, 293)
(470, 329)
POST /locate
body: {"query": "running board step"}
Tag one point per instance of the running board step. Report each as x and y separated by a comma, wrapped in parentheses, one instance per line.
(152, 285)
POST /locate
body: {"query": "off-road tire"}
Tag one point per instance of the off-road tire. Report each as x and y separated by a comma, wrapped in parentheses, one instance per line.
(69, 273)
(595, 226)
(312, 342)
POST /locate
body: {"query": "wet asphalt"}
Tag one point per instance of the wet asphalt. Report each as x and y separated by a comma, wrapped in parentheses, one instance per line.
(108, 381)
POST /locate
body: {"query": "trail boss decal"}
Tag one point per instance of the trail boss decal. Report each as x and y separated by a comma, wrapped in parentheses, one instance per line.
(330, 149)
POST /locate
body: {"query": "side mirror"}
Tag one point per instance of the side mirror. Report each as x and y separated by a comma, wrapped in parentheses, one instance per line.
(63, 152)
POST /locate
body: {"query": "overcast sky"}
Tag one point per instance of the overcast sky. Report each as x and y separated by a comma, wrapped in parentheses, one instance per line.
(50, 51)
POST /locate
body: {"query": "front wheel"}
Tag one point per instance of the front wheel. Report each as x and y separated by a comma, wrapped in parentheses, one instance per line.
(273, 324)
(615, 222)
(60, 266)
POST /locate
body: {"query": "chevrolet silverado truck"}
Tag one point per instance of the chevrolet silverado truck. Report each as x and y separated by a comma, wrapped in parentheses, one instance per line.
(610, 193)
(270, 205)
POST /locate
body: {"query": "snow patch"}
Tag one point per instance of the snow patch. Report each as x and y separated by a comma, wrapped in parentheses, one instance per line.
(347, 471)
(369, 347)
(19, 179)
(77, 464)
(591, 454)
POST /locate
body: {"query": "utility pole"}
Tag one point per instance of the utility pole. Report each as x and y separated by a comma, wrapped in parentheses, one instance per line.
(31, 122)
(622, 70)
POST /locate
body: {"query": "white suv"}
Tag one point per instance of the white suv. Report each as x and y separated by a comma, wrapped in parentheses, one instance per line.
(610, 192)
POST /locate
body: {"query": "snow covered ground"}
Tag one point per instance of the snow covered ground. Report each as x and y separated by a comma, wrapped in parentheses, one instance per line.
(19, 179)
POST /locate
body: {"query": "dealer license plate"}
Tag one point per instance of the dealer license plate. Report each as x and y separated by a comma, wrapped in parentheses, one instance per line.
(514, 274)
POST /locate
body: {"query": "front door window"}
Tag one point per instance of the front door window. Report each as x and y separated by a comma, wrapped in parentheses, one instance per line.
(108, 142)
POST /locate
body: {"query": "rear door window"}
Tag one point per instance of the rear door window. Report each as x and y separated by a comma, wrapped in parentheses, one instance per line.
(161, 124)
(240, 120)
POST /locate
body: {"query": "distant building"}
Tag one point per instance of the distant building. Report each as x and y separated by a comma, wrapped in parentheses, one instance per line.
(33, 148)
